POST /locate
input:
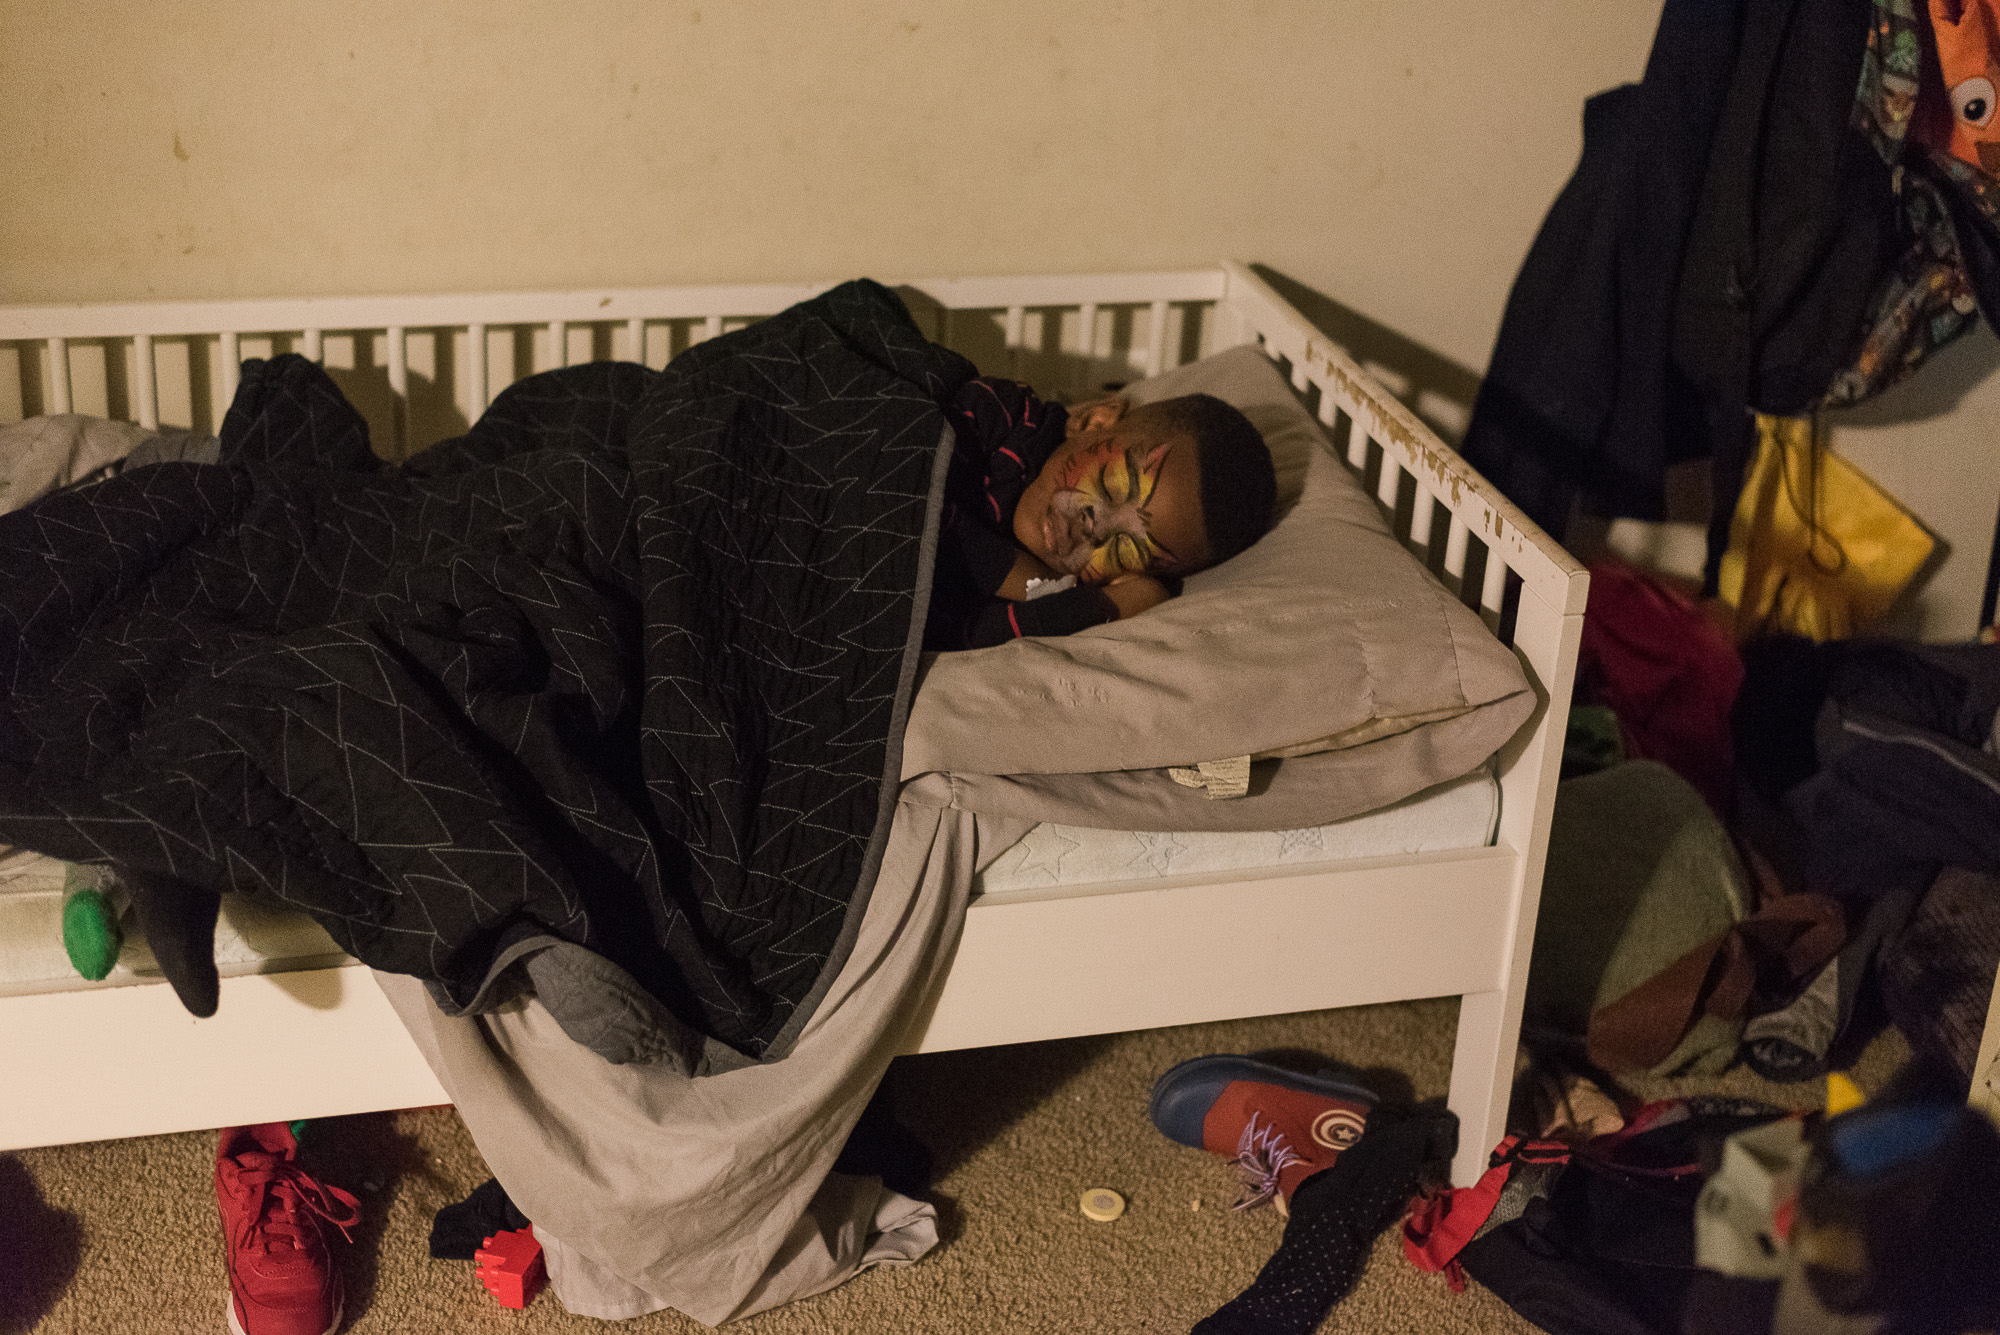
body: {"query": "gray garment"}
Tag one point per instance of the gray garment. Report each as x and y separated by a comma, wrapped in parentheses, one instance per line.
(851, 1224)
(45, 454)
(1809, 1021)
(712, 1195)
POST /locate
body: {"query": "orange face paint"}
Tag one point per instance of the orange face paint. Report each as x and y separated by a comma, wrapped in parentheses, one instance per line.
(1102, 511)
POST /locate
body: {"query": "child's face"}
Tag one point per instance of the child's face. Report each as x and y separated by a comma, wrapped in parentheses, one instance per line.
(1117, 498)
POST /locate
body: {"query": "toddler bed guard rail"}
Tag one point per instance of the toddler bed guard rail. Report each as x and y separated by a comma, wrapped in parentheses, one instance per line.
(104, 1062)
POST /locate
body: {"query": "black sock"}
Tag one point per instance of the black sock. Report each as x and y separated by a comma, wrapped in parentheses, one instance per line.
(1335, 1217)
(881, 1146)
(457, 1231)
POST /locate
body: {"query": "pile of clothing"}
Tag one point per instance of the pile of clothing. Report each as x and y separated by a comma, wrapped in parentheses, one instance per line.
(1789, 213)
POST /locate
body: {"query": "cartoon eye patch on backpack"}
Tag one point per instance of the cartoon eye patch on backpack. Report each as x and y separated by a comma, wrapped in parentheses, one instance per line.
(1968, 48)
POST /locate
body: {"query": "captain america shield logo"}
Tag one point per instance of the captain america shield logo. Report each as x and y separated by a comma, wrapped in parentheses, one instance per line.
(1337, 1128)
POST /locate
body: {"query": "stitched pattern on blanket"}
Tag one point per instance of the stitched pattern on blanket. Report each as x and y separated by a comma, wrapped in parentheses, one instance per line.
(625, 666)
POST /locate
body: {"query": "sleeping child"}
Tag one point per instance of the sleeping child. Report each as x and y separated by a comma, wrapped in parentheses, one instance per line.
(1112, 502)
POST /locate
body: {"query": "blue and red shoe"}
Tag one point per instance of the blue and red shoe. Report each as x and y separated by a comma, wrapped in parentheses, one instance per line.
(1279, 1126)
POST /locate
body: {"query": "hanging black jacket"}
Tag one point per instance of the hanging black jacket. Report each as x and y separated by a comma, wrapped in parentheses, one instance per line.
(1578, 392)
(1713, 254)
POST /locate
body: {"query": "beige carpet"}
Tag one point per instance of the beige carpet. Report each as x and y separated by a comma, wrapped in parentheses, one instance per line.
(121, 1237)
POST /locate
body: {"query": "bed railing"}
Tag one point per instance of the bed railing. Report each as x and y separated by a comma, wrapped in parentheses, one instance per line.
(421, 369)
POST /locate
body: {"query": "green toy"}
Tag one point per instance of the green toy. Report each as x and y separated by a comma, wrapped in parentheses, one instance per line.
(91, 935)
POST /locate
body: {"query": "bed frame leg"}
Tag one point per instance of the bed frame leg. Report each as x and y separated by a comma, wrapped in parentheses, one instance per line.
(1482, 1079)
(1986, 1070)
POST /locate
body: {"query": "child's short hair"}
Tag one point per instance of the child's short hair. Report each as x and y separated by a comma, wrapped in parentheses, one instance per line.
(1239, 488)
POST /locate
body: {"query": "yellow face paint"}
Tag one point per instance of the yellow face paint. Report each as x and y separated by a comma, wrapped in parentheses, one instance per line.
(1103, 508)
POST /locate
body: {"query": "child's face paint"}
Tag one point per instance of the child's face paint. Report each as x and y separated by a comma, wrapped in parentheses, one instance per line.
(1098, 520)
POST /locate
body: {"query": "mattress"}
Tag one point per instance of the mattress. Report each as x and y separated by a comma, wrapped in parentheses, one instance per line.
(1461, 813)
(252, 939)
(248, 937)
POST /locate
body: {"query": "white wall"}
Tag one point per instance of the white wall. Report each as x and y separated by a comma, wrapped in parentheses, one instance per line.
(1396, 157)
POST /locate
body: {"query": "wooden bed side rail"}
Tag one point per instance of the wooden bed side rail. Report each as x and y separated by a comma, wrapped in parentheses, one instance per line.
(129, 1061)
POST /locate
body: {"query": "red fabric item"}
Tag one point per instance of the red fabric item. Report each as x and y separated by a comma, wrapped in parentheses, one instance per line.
(1438, 1227)
(1653, 659)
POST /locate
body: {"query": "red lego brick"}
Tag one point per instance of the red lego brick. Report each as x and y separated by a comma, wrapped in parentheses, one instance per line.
(511, 1267)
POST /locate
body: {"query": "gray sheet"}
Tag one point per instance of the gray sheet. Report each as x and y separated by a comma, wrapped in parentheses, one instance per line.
(714, 1195)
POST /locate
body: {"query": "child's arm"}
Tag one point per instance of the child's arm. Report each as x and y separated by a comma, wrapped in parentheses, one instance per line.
(1135, 593)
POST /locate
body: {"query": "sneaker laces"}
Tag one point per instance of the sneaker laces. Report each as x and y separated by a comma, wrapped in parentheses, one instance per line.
(285, 1199)
(1261, 1154)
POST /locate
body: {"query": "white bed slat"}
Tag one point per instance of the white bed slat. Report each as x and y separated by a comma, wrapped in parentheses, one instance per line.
(399, 385)
(635, 339)
(711, 327)
(59, 375)
(1156, 340)
(1454, 547)
(1422, 515)
(1493, 586)
(1011, 333)
(558, 344)
(475, 366)
(147, 389)
(232, 370)
(1087, 347)
(1385, 490)
(1357, 446)
(315, 345)
(399, 362)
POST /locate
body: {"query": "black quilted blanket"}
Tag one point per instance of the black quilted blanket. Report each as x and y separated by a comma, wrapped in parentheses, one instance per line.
(611, 687)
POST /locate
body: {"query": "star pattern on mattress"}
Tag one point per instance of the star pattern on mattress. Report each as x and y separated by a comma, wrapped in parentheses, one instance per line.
(621, 665)
(1043, 852)
(1157, 850)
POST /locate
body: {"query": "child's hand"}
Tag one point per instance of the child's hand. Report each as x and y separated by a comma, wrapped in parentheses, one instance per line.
(1135, 593)
(1025, 568)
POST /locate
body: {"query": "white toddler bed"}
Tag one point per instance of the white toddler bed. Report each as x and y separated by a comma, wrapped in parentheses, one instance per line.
(1039, 958)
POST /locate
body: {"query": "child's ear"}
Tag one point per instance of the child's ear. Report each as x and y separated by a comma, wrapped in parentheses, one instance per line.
(1097, 414)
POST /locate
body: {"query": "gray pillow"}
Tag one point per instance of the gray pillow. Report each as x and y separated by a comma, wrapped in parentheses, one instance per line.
(1326, 641)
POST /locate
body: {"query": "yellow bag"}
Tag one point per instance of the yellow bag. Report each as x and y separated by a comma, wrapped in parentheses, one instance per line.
(1815, 548)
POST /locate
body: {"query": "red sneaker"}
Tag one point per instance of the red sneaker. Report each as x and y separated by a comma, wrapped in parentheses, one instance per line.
(1280, 1127)
(281, 1278)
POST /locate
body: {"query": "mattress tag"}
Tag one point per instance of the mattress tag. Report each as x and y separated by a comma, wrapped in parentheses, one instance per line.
(1219, 778)
(1038, 588)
